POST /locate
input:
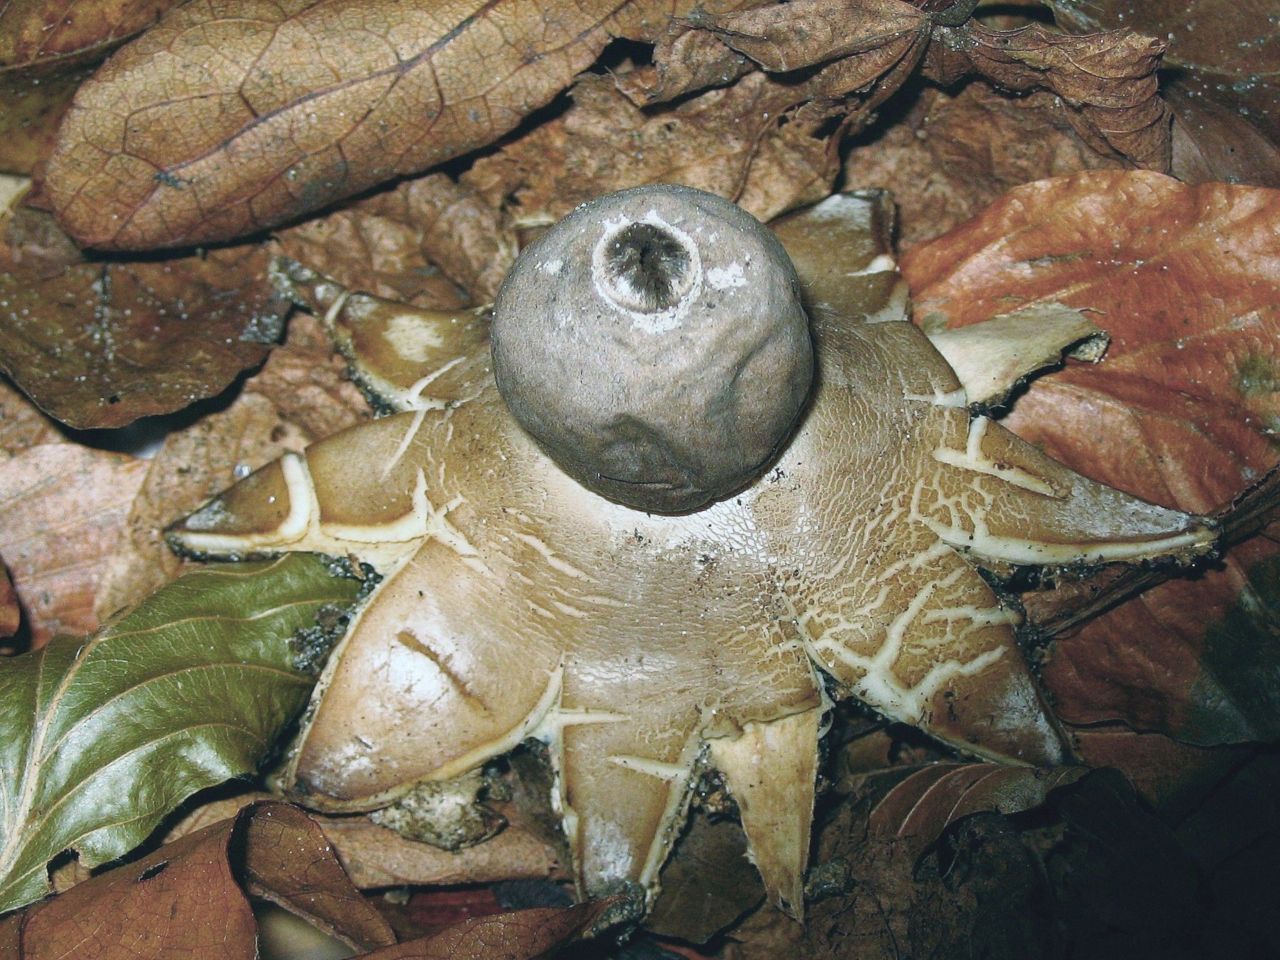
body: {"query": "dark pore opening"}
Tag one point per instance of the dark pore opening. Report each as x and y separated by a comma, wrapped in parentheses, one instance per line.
(650, 265)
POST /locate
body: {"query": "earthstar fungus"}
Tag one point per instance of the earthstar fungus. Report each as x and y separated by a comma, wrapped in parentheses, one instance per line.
(640, 647)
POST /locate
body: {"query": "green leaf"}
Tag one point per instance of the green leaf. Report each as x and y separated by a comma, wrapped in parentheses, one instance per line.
(101, 737)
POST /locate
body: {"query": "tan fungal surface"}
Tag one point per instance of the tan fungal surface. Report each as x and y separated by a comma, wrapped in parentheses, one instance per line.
(517, 604)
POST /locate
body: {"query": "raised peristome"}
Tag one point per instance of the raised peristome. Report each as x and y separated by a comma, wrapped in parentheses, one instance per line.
(654, 344)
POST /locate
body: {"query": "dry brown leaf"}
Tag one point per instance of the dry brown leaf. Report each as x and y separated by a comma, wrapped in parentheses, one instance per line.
(1172, 777)
(373, 253)
(922, 803)
(1224, 50)
(377, 857)
(519, 935)
(374, 856)
(806, 33)
(469, 240)
(46, 50)
(62, 507)
(29, 117)
(1108, 80)
(982, 891)
(418, 244)
(284, 857)
(22, 424)
(10, 612)
(684, 61)
(307, 383)
(1214, 142)
(849, 56)
(1183, 411)
(301, 395)
(38, 34)
(831, 58)
(102, 344)
(735, 142)
(1092, 874)
(708, 883)
(954, 153)
(186, 899)
(169, 145)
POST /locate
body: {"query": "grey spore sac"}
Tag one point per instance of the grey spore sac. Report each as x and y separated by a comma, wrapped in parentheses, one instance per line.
(654, 344)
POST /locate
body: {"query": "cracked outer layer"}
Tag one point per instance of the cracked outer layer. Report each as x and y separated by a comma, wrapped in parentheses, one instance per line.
(654, 344)
(516, 603)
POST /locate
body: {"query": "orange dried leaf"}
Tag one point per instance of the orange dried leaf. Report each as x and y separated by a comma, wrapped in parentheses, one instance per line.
(180, 900)
(285, 858)
(306, 103)
(1184, 410)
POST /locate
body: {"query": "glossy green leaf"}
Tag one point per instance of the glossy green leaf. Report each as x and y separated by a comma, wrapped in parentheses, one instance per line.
(103, 736)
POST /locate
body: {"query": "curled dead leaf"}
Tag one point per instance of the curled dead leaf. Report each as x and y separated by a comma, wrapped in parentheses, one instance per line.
(1107, 80)
(1223, 50)
(807, 33)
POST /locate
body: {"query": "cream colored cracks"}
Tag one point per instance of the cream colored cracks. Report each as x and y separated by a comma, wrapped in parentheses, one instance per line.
(642, 647)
